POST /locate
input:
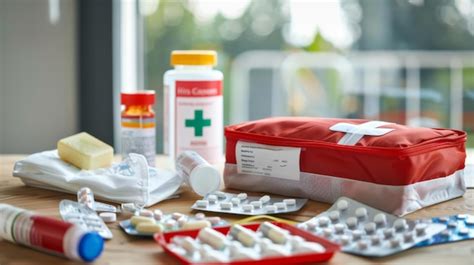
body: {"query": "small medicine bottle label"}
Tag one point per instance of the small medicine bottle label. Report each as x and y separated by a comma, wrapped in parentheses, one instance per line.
(138, 136)
(199, 121)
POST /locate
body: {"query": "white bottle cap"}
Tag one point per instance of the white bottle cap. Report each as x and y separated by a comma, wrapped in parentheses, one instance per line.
(204, 179)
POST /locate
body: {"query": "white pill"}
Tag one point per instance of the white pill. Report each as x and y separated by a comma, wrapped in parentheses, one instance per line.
(461, 216)
(270, 208)
(445, 233)
(327, 232)
(225, 205)
(361, 212)
(394, 242)
(242, 196)
(345, 239)
(280, 205)
(469, 221)
(108, 217)
(202, 203)
(158, 214)
(375, 239)
(342, 205)
(420, 229)
(212, 198)
(323, 221)
(370, 227)
(213, 238)
(443, 219)
(289, 202)
(311, 225)
(463, 231)
(380, 219)
(189, 244)
(334, 215)
(362, 244)
(176, 216)
(235, 201)
(452, 224)
(182, 220)
(388, 233)
(356, 234)
(400, 224)
(256, 204)
(408, 236)
(128, 207)
(146, 213)
(196, 224)
(247, 207)
(214, 220)
(170, 224)
(351, 222)
(310, 247)
(339, 228)
(200, 216)
(221, 195)
(296, 241)
(264, 199)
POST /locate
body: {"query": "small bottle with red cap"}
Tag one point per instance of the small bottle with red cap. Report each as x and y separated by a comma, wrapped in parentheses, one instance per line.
(138, 124)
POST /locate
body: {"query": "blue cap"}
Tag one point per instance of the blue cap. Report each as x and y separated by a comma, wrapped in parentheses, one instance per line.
(90, 246)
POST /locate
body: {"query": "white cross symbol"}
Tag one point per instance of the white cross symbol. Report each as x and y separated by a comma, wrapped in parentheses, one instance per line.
(355, 132)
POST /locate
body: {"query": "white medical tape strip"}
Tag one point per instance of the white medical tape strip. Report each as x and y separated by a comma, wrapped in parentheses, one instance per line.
(355, 132)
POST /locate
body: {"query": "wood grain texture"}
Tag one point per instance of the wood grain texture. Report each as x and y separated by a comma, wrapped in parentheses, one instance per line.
(124, 249)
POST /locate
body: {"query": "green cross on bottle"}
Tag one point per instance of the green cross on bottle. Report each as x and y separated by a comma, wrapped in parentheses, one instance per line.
(198, 123)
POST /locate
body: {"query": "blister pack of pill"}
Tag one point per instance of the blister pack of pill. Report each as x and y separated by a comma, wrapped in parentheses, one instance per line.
(224, 202)
(83, 216)
(146, 222)
(264, 243)
(85, 196)
(458, 227)
(366, 231)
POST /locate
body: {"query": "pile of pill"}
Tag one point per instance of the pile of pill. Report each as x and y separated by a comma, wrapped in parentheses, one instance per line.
(242, 243)
(458, 227)
(363, 230)
(146, 222)
(223, 202)
(85, 217)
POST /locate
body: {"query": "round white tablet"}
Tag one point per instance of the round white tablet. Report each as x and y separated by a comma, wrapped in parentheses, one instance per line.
(264, 199)
(225, 205)
(400, 224)
(356, 234)
(370, 227)
(235, 201)
(375, 239)
(362, 244)
(311, 225)
(342, 205)
(408, 236)
(221, 195)
(351, 222)
(289, 202)
(463, 231)
(323, 221)
(256, 204)
(280, 205)
(452, 224)
(327, 232)
(242, 196)
(270, 208)
(420, 229)
(108, 217)
(445, 233)
(361, 212)
(394, 242)
(443, 219)
(388, 233)
(339, 228)
(345, 239)
(214, 220)
(158, 214)
(380, 219)
(212, 198)
(334, 216)
(146, 213)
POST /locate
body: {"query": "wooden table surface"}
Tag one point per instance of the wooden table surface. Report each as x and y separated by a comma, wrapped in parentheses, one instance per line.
(124, 249)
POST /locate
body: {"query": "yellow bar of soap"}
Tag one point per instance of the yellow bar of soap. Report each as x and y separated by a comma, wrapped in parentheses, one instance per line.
(85, 151)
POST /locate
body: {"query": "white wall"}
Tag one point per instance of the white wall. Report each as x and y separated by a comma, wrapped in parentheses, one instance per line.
(38, 87)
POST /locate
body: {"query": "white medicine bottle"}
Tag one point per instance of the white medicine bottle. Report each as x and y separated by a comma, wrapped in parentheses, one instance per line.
(193, 106)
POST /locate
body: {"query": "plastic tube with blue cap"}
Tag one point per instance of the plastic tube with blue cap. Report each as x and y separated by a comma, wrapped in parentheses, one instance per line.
(49, 235)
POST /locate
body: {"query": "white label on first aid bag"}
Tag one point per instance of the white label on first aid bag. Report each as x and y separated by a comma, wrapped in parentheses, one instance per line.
(268, 160)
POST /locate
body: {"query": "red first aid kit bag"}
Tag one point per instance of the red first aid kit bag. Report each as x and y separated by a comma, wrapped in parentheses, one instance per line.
(392, 167)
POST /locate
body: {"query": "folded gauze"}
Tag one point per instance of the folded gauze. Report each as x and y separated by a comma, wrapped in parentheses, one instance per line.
(128, 181)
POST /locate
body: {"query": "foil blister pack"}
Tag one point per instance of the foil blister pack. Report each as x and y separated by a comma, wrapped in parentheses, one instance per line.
(231, 203)
(366, 231)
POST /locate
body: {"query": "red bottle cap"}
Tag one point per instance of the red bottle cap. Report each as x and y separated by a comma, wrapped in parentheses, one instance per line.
(144, 97)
